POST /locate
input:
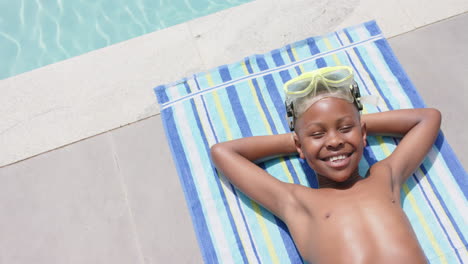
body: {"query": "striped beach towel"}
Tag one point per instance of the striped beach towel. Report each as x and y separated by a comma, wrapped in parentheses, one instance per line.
(246, 99)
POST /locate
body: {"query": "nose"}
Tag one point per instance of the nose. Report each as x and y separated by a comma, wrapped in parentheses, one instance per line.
(334, 141)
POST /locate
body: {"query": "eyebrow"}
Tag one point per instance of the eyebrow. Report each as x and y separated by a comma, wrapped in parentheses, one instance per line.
(320, 124)
(343, 118)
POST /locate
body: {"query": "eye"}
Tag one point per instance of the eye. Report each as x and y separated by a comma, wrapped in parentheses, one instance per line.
(345, 129)
(317, 134)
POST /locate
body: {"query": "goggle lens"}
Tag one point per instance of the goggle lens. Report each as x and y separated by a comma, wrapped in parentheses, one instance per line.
(338, 75)
(299, 85)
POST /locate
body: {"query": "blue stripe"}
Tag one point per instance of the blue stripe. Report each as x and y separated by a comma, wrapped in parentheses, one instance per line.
(277, 58)
(443, 203)
(314, 50)
(289, 245)
(264, 106)
(415, 178)
(160, 92)
(191, 194)
(246, 132)
(279, 61)
(235, 103)
(236, 106)
(194, 78)
(218, 183)
(291, 169)
(272, 91)
(373, 28)
(447, 212)
(231, 186)
(355, 69)
(369, 154)
(371, 75)
(454, 165)
(294, 258)
(292, 59)
(398, 71)
(206, 111)
(309, 174)
(285, 76)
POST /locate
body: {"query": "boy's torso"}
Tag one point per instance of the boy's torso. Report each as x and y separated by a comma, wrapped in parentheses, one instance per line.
(362, 224)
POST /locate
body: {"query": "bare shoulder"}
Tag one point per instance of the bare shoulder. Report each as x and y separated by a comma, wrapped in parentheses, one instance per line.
(381, 174)
(303, 201)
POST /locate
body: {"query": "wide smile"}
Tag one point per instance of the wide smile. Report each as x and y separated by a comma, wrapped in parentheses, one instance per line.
(338, 161)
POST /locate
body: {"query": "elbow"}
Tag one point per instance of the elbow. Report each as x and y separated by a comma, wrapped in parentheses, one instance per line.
(434, 115)
(216, 151)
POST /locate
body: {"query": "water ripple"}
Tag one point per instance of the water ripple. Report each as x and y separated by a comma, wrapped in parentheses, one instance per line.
(102, 34)
(57, 37)
(142, 27)
(21, 13)
(36, 33)
(105, 16)
(189, 5)
(141, 8)
(41, 40)
(18, 49)
(39, 5)
(78, 16)
(60, 5)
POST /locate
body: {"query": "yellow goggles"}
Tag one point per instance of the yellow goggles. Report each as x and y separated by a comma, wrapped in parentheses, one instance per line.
(304, 90)
(329, 77)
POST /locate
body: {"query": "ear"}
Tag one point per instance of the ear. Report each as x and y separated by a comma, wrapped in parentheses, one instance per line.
(364, 132)
(297, 143)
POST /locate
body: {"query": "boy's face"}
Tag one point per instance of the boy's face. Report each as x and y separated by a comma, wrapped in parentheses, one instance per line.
(331, 137)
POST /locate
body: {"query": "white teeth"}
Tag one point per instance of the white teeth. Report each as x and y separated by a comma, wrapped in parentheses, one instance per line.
(339, 157)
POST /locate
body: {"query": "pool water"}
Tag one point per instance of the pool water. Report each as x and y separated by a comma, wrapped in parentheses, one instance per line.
(34, 33)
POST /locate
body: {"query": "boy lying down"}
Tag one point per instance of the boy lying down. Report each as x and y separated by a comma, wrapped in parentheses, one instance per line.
(349, 219)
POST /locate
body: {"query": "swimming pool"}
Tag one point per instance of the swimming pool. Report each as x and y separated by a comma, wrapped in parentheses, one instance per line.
(35, 33)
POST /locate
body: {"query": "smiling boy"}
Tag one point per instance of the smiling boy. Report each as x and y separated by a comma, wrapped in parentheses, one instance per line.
(349, 219)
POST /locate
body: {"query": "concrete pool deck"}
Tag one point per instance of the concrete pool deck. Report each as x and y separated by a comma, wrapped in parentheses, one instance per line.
(115, 197)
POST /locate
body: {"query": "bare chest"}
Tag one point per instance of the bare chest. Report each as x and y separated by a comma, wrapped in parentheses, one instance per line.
(365, 222)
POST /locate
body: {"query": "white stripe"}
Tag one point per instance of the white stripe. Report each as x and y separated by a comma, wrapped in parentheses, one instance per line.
(200, 175)
(387, 76)
(449, 183)
(365, 79)
(434, 201)
(343, 37)
(230, 197)
(191, 82)
(266, 72)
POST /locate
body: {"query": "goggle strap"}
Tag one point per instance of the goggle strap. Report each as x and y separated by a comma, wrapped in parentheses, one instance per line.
(357, 96)
(290, 115)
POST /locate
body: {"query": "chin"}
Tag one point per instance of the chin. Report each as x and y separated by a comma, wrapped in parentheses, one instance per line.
(339, 178)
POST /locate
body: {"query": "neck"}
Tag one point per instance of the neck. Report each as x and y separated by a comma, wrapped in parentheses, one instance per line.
(325, 182)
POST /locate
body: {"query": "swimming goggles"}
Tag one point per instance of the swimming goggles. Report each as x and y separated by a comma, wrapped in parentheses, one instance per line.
(306, 89)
